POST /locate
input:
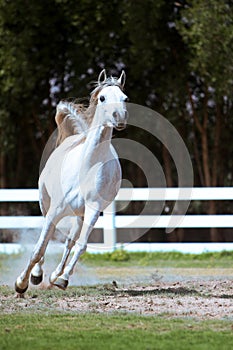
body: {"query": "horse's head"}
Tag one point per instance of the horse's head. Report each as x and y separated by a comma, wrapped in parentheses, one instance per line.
(111, 101)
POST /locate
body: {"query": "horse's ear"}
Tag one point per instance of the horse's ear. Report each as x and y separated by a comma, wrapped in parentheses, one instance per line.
(102, 77)
(122, 79)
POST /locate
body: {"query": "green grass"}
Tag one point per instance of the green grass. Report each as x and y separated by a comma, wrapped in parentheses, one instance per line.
(101, 331)
(121, 257)
(160, 259)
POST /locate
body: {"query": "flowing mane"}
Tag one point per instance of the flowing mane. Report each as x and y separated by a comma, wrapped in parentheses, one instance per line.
(71, 119)
(74, 118)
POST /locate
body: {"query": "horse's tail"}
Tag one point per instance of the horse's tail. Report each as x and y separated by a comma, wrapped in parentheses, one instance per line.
(70, 120)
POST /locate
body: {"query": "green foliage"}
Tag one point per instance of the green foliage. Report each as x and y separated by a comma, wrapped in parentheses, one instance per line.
(120, 255)
(207, 30)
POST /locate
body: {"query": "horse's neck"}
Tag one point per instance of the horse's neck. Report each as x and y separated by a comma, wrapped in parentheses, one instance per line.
(97, 144)
(98, 140)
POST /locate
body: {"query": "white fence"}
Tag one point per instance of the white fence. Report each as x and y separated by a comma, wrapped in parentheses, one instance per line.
(109, 222)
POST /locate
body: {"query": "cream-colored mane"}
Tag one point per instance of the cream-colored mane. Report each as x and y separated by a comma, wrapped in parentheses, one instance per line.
(73, 118)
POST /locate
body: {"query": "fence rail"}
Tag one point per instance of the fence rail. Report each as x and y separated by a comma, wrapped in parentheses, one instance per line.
(170, 193)
(109, 222)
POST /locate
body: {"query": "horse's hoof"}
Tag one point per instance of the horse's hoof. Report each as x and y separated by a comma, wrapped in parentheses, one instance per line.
(20, 290)
(36, 279)
(61, 283)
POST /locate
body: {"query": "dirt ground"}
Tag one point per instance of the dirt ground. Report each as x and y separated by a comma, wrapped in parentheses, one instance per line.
(202, 300)
(197, 293)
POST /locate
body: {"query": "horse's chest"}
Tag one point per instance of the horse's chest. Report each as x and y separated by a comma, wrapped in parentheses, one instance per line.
(102, 181)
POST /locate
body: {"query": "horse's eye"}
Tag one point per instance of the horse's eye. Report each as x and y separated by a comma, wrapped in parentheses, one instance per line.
(102, 98)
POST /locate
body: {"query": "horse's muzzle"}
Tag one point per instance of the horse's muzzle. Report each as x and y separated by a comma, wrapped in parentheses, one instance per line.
(120, 126)
(120, 123)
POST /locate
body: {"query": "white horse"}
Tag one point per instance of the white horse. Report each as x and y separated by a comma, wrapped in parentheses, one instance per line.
(81, 177)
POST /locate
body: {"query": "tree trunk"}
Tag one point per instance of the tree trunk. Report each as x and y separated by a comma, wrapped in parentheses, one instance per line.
(205, 158)
(214, 232)
(197, 158)
(167, 166)
(178, 234)
(3, 181)
(209, 174)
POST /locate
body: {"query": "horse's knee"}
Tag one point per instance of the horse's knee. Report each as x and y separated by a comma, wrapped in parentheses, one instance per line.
(70, 243)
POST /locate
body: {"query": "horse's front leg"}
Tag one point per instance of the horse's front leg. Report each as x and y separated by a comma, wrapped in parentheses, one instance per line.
(70, 242)
(90, 218)
(21, 284)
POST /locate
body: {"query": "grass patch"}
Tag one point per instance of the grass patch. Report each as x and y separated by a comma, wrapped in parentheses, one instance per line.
(160, 259)
(123, 258)
(49, 296)
(101, 331)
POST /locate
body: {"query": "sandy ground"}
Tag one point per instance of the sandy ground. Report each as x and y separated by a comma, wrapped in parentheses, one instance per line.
(202, 300)
(197, 293)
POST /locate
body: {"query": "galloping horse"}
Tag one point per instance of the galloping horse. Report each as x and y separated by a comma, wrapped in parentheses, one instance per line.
(81, 177)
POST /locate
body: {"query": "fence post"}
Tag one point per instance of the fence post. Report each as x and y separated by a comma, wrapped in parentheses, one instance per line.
(109, 228)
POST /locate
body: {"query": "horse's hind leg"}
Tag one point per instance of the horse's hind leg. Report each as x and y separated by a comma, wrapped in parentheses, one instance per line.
(22, 281)
(70, 242)
(37, 272)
